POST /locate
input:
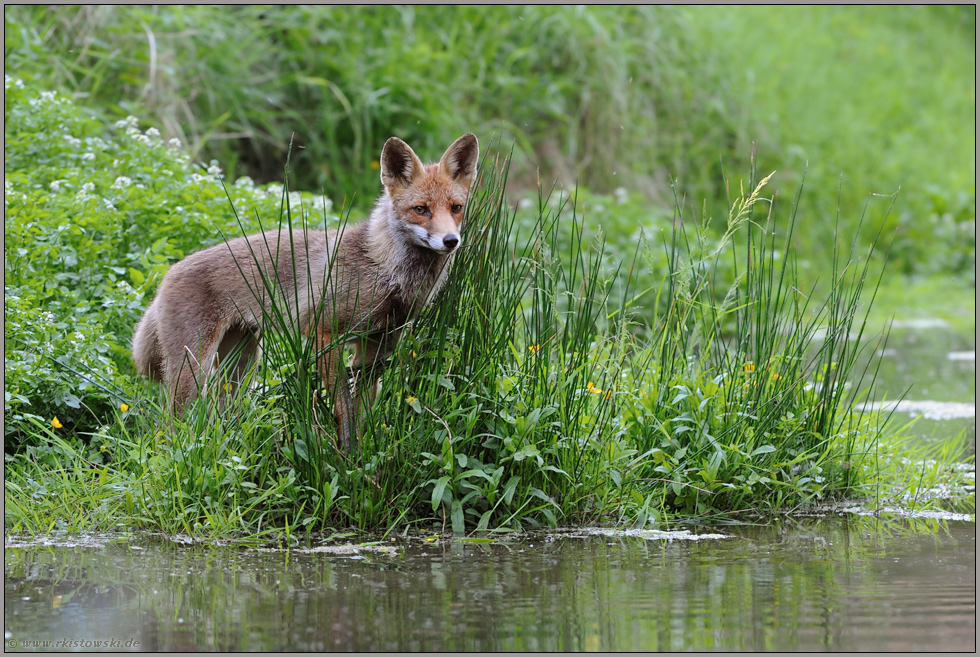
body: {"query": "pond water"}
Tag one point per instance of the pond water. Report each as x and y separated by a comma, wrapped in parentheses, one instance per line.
(844, 583)
(851, 581)
(927, 372)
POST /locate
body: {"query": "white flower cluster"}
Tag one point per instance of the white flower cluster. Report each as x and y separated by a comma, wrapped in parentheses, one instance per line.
(322, 204)
(85, 193)
(10, 196)
(9, 82)
(122, 182)
(47, 98)
(295, 201)
(141, 138)
(130, 124)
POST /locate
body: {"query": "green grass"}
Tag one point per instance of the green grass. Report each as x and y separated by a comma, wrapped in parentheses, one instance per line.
(866, 96)
(647, 99)
(559, 378)
(948, 299)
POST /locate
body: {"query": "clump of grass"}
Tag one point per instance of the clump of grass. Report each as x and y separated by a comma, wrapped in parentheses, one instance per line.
(755, 384)
(514, 401)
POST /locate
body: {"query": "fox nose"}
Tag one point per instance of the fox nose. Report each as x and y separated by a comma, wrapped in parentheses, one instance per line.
(450, 242)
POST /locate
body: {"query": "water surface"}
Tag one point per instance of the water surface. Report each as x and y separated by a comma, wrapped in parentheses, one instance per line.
(843, 584)
(927, 373)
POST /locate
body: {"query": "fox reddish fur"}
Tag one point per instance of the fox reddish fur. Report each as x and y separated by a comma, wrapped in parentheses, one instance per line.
(367, 280)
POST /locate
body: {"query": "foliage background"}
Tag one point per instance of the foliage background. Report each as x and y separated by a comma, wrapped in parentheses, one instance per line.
(867, 99)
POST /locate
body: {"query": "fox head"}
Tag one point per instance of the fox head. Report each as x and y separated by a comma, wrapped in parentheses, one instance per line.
(429, 199)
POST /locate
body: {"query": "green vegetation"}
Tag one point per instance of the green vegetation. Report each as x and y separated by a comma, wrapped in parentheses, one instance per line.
(603, 351)
(559, 378)
(641, 98)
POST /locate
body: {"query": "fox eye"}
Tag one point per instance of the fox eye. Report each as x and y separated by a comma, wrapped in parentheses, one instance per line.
(420, 209)
(457, 208)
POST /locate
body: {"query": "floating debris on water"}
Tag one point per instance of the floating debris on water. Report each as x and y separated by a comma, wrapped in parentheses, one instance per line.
(348, 549)
(65, 539)
(910, 513)
(653, 534)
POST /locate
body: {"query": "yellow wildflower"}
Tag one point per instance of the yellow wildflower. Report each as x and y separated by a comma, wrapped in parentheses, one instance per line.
(534, 348)
(749, 367)
(595, 391)
(56, 423)
(375, 165)
(123, 407)
(411, 399)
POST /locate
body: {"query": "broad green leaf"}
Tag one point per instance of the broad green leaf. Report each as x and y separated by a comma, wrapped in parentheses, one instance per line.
(437, 492)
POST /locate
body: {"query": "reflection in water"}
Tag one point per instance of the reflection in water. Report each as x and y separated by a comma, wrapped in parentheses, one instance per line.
(852, 583)
(917, 365)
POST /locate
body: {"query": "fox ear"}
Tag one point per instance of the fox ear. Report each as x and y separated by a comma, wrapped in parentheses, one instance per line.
(459, 160)
(399, 164)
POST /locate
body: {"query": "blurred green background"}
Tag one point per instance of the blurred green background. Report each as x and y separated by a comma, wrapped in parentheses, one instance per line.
(666, 102)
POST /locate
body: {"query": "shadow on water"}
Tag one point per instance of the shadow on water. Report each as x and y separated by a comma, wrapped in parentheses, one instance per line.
(842, 583)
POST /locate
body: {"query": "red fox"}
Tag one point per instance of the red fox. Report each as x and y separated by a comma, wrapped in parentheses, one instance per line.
(367, 279)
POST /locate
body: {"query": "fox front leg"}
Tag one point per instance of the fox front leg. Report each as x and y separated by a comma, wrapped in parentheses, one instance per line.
(345, 414)
(370, 353)
(334, 377)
